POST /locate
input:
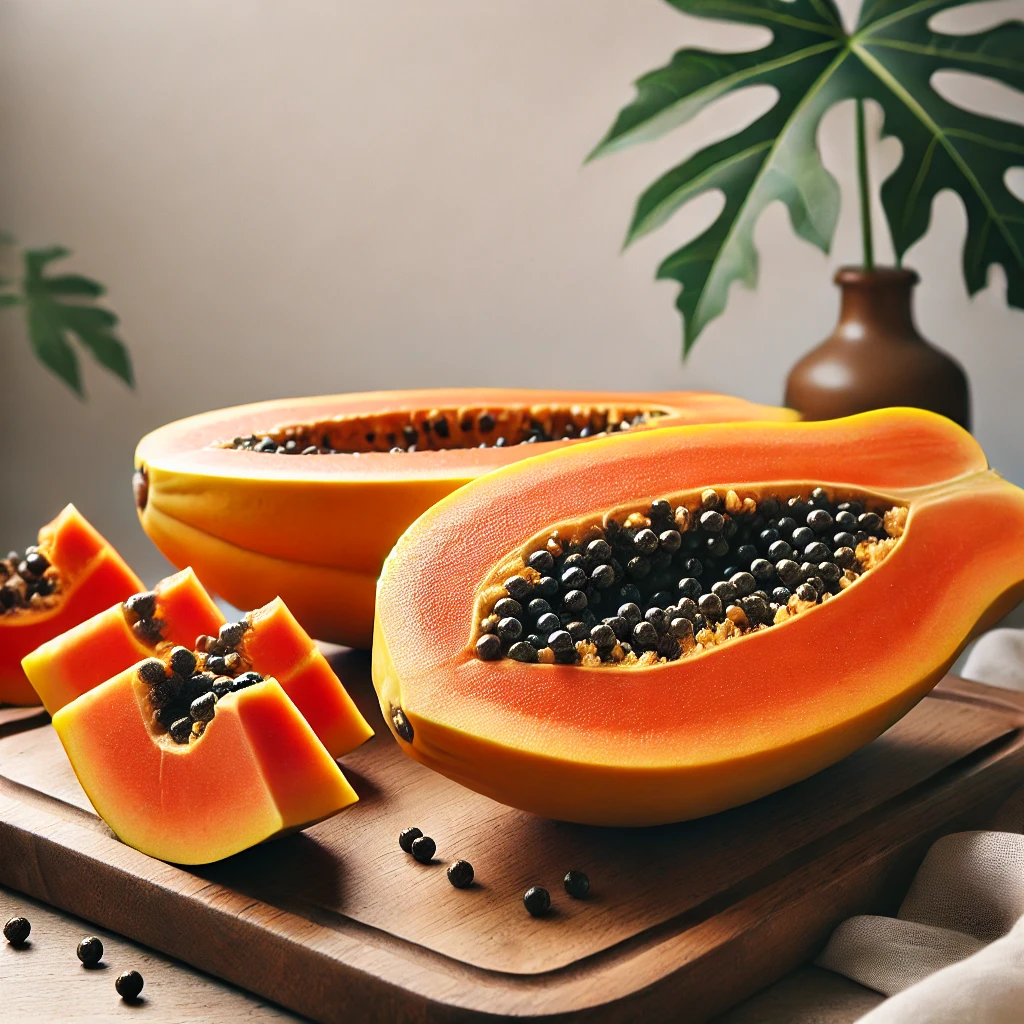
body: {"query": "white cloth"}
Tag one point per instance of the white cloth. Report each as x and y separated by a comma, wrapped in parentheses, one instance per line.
(954, 954)
(997, 658)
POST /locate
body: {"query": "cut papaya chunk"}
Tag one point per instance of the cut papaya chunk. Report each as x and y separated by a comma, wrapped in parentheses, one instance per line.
(199, 653)
(162, 797)
(651, 628)
(305, 498)
(174, 612)
(70, 574)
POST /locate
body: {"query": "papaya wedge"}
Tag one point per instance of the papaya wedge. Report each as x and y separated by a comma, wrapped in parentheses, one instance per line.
(78, 574)
(655, 627)
(214, 491)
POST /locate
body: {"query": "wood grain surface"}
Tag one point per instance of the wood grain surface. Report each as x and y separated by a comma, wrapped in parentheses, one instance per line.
(337, 923)
(43, 981)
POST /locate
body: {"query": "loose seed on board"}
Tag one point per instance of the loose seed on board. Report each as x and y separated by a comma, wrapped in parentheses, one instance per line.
(90, 951)
(460, 874)
(537, 901)
(577, 884)
(129, 985)
(407, 837)
(423, 849)
(16, 931)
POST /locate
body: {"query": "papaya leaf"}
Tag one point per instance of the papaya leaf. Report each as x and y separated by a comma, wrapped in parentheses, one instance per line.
(812, 62)
(52, 322)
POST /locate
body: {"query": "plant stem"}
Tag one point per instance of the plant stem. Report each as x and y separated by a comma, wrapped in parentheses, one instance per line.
(865, 190)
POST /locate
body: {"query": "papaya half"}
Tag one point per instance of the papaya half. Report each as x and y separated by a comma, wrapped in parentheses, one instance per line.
(68, 575)
(216, 491)
(655, 627)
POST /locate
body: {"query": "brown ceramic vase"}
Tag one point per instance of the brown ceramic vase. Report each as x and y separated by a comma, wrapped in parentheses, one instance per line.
(875, 357)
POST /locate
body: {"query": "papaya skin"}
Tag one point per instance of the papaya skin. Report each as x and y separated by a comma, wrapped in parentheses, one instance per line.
(640, 746)
(170, 801)
(316, 530)
(93, 576)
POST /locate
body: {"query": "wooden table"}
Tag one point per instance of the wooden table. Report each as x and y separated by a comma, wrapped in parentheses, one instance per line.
(688, 918)
(44, 981)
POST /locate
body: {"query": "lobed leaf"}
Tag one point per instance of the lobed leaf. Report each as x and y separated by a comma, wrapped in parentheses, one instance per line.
(813, 63)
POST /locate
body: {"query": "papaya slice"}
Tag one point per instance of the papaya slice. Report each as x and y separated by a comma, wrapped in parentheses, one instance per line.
(216, 491)
(197, 653)
(692, 649)
(70, 574)
(161, 797)
(173, 613)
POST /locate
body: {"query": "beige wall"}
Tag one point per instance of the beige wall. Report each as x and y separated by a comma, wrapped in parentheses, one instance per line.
(310, 196)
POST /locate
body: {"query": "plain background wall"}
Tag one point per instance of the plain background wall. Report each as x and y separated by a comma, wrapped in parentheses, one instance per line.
(331, 195)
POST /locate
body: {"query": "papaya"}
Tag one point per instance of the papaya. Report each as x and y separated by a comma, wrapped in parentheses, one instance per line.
(184, 629)
(174, 612)
(168, 799)
(68, 575)
(216, 491)
(659, 626)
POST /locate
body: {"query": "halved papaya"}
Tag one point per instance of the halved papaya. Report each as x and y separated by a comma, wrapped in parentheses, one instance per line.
(173, 613)
(70, 574)
(214, 491)
(656, 627)
(169, 800)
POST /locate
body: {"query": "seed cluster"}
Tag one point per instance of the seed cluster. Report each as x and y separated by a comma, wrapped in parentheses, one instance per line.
(440, 429)
(27, 581)
(185, 686)
(656, 585)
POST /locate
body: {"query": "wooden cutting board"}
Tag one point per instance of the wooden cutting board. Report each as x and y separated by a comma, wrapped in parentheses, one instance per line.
(685, 920)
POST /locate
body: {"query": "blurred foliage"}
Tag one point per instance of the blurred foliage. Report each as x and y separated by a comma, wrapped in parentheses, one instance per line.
(61, 308)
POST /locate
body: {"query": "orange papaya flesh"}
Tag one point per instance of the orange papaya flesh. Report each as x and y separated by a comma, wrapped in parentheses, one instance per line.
(316, 529)
(179, 610)
(159, 797)
(722, 723)
(84, 574)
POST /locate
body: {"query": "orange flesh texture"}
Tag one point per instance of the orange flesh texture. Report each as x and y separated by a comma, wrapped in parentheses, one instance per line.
(278, 646)
(320, 526)
(95, 650)
(161, 798)
(93, 576)
(608, 745)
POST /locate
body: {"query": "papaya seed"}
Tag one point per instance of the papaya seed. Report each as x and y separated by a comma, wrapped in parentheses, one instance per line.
(537, 901)
(152, 671)
(142, 606)
(183, 661)
(423, 849)
(181, 729)
(460, 874)
(407, 837)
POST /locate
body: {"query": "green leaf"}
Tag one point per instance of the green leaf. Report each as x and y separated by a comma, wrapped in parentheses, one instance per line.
(813, 63)
(944, 145)
(47, 336)
(52, 322)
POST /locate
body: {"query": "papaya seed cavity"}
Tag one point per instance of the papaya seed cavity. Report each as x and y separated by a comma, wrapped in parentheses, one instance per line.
(183, 686)
(448, 428)
(650, 585)
(28, 582)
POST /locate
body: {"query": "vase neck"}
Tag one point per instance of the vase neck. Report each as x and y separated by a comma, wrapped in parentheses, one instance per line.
(876, 304)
